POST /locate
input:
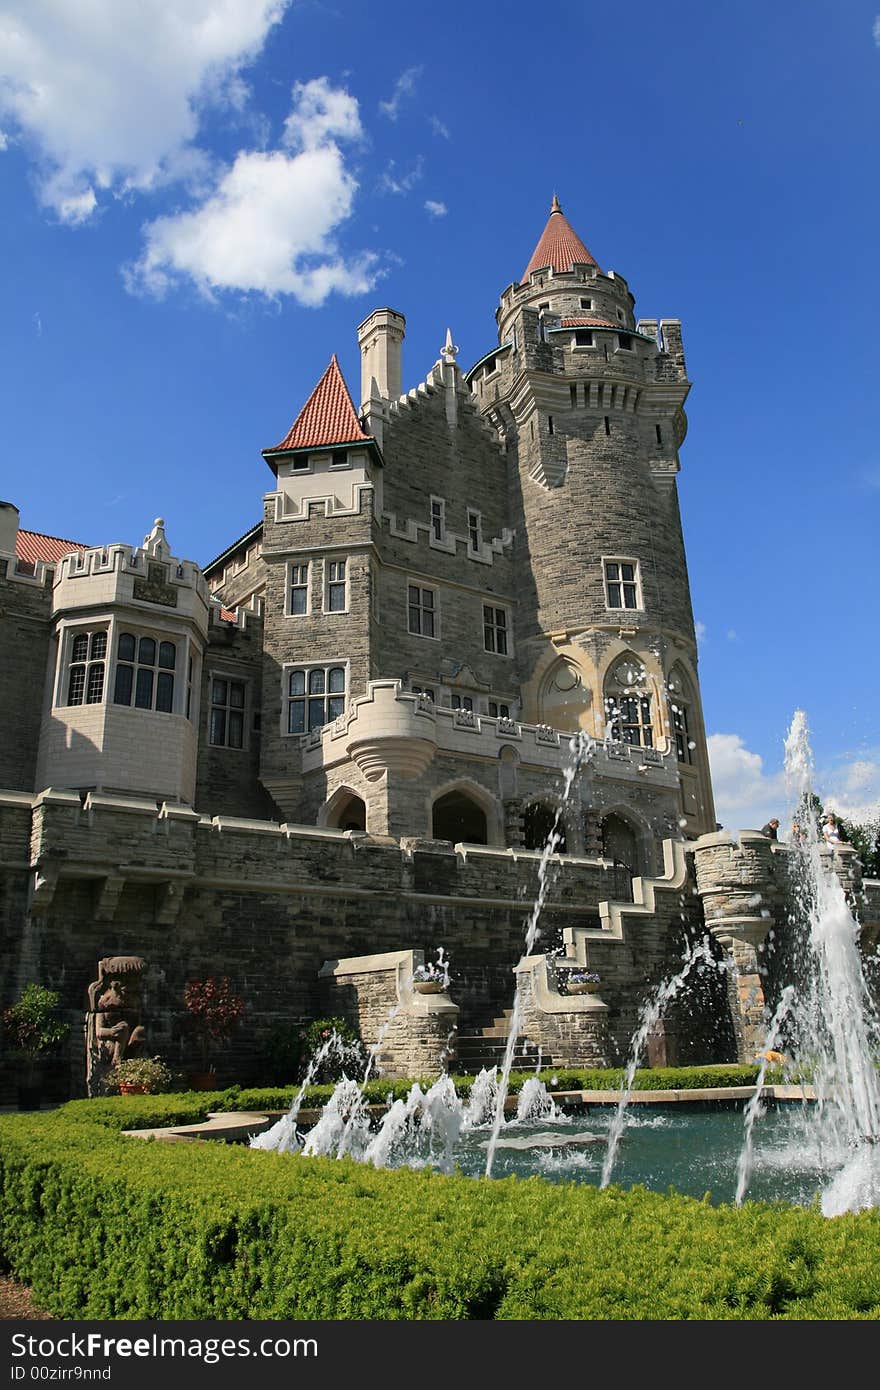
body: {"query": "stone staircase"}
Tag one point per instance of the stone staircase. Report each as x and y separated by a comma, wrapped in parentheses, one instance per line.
(486, 1048)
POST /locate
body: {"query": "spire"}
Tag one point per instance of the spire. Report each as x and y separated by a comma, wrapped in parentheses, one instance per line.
(328, 417)
(559, 246)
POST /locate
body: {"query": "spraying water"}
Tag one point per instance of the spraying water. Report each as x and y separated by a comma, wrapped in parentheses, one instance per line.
(581, 747)
(834, 1015)
(755, 1110)
(651, 1013)
(284, 1137)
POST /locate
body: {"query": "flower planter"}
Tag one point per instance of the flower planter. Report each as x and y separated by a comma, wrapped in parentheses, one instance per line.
(130, 1088)
(584, 987)
(428, 986)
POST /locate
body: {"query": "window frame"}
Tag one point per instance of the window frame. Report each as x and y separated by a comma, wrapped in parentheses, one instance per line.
(491, 624)
(306, 696)
(434, 517)
(292, 566)
(330, 582)
(162, 673)
(244, 710)
(621, 583)
(474, 531)
(432, 609)
(89, 664)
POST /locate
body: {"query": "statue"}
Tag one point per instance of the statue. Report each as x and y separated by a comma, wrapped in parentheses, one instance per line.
(113, 1022)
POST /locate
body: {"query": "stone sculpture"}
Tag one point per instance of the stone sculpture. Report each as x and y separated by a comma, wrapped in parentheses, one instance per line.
(114, 1029)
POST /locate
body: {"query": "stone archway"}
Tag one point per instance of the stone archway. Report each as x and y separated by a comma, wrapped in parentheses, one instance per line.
(344, 811)
(539, 819)
(458, 816)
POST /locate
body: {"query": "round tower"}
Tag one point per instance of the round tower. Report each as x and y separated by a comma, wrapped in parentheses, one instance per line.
(590, 402)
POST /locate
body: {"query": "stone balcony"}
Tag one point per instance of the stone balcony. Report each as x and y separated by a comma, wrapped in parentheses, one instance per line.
(391, 729)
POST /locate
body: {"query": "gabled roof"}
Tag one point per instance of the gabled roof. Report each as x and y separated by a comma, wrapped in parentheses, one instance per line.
(327, 419)
(559, 246)
(33, 546)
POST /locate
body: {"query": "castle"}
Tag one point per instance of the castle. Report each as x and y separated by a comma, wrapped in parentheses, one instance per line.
(342, 742)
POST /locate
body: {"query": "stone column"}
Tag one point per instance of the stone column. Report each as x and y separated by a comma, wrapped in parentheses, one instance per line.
(739, 885)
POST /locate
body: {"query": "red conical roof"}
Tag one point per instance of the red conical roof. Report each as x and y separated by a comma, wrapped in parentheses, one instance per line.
(559, 246)
(327, 418)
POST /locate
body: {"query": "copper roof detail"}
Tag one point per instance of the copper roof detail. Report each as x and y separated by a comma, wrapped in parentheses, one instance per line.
(328, 417)
(559, 246)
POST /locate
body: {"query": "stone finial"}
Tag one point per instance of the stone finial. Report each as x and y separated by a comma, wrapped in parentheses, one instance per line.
(555, 206)
(449, 350)
(156, 542)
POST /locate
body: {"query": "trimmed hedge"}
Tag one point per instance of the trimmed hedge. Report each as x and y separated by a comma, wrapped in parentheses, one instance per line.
(104, 1226)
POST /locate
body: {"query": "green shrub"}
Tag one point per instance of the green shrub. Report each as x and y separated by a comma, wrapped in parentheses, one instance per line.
(105, 1226)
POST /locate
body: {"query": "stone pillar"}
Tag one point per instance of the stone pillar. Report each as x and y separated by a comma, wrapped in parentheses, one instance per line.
(739, 883)
(592, 834)
(513, 822)
(570, 1029)
(415, 1034)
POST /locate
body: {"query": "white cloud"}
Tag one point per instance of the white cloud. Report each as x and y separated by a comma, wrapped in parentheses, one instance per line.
(109, 95)
(853, 790)
(268, 225)
(4, 141)
(403, 87)
(435, 209)
(877, 31)
(392, 182)
(439, 128)
(700, 631)
(745, 796)
(319, 112)
(731, 634)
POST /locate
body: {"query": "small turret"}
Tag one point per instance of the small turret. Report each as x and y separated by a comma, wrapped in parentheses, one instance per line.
(381, 342)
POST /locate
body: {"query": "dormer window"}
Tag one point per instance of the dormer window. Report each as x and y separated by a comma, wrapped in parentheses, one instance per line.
(624, 341)
(339, 458)
(299, 463)
(490, 366)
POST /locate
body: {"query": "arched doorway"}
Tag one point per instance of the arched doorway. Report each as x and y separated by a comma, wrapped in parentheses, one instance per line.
(458, 817)
(538, 821)
(620, 844)
(346, 812)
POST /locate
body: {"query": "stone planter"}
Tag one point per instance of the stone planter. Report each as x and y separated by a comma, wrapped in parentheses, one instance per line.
(584, 987)
(428, 986)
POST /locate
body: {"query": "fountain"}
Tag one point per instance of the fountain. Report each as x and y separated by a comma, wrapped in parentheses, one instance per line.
(823, 1019)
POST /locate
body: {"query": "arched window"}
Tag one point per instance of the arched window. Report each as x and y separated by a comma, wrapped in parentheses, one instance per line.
(538, 822)
(315, 696)
(145, 672)
(628, 717)
(458, 817)
(564, 696)
(680, 699)
(85, 668)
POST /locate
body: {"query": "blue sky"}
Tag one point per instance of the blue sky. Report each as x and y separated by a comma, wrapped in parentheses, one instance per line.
(203, 198)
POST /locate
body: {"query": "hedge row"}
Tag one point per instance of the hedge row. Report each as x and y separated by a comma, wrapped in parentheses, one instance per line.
(189, 1107)
(104, 1226)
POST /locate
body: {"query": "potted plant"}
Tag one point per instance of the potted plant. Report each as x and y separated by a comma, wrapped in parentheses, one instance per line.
(430, 979)
(583, 982)
(215, 1011)
(32, 1030)
(139, 1076)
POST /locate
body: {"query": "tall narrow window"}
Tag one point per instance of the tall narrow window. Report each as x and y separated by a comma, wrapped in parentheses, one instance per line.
(683, 741)
(438, 518)
(659, 433)
(607, 425)
(573, 392)
(422, 607)
(474, 530)
(85, 674)
(497, 710)
(315, 696)
(495, 630)
(549, 424)
(145, 670)
(336, 591)
(226, 728)
(621, 584)
(299, 589)
(462, 702)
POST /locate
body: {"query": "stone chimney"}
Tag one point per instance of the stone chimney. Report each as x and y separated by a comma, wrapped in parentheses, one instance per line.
(8, 527)
(380, 338)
